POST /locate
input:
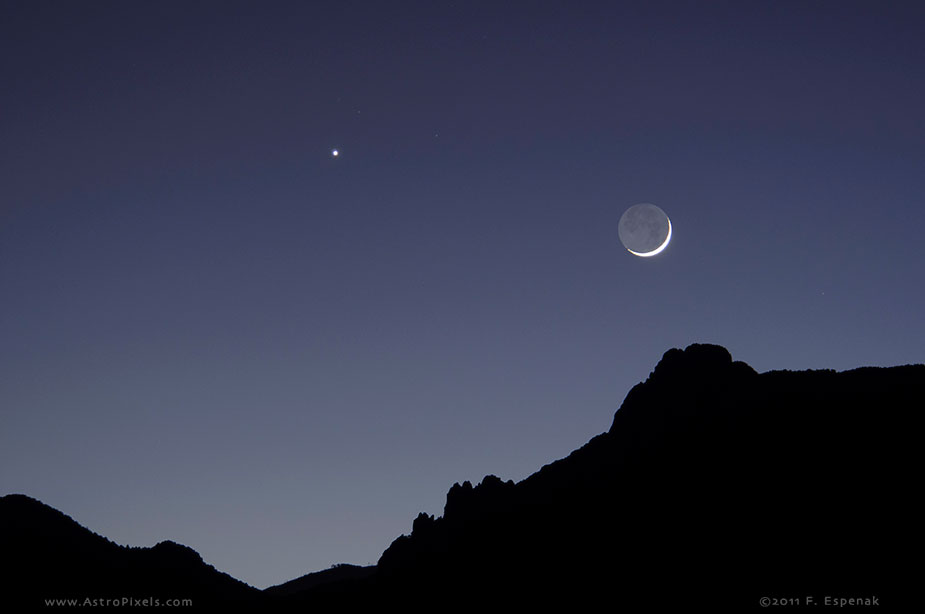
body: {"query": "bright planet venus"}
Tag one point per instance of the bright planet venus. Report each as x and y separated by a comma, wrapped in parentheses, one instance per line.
(645, 230)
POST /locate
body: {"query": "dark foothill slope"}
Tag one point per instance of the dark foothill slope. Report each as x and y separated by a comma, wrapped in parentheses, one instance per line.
(47, 555)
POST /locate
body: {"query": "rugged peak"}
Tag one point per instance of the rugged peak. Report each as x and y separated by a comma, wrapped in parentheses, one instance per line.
(462, 498)
(683, 384)
(696, 358)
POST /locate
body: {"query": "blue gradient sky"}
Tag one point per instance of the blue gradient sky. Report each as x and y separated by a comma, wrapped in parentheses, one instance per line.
(212, 331)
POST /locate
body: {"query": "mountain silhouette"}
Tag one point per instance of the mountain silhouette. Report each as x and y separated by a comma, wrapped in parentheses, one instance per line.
(49, 556)
(714, 487)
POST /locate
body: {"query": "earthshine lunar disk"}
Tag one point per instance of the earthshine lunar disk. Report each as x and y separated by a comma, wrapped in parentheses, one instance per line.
(644, 230)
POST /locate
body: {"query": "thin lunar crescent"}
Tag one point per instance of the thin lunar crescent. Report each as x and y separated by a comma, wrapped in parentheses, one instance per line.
(645, 230)
(657, 250)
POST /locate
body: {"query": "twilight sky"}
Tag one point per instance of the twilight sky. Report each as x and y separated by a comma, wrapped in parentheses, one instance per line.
(213, 331)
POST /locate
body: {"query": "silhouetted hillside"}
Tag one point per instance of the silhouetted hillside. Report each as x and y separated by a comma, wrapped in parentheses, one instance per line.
(714, 487)
(337, 577)
(47, 555)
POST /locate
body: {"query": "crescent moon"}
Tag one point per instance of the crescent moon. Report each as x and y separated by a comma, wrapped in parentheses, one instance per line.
(657, 250)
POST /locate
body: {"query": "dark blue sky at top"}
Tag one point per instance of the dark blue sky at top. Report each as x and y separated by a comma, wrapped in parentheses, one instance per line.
(213, 331)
